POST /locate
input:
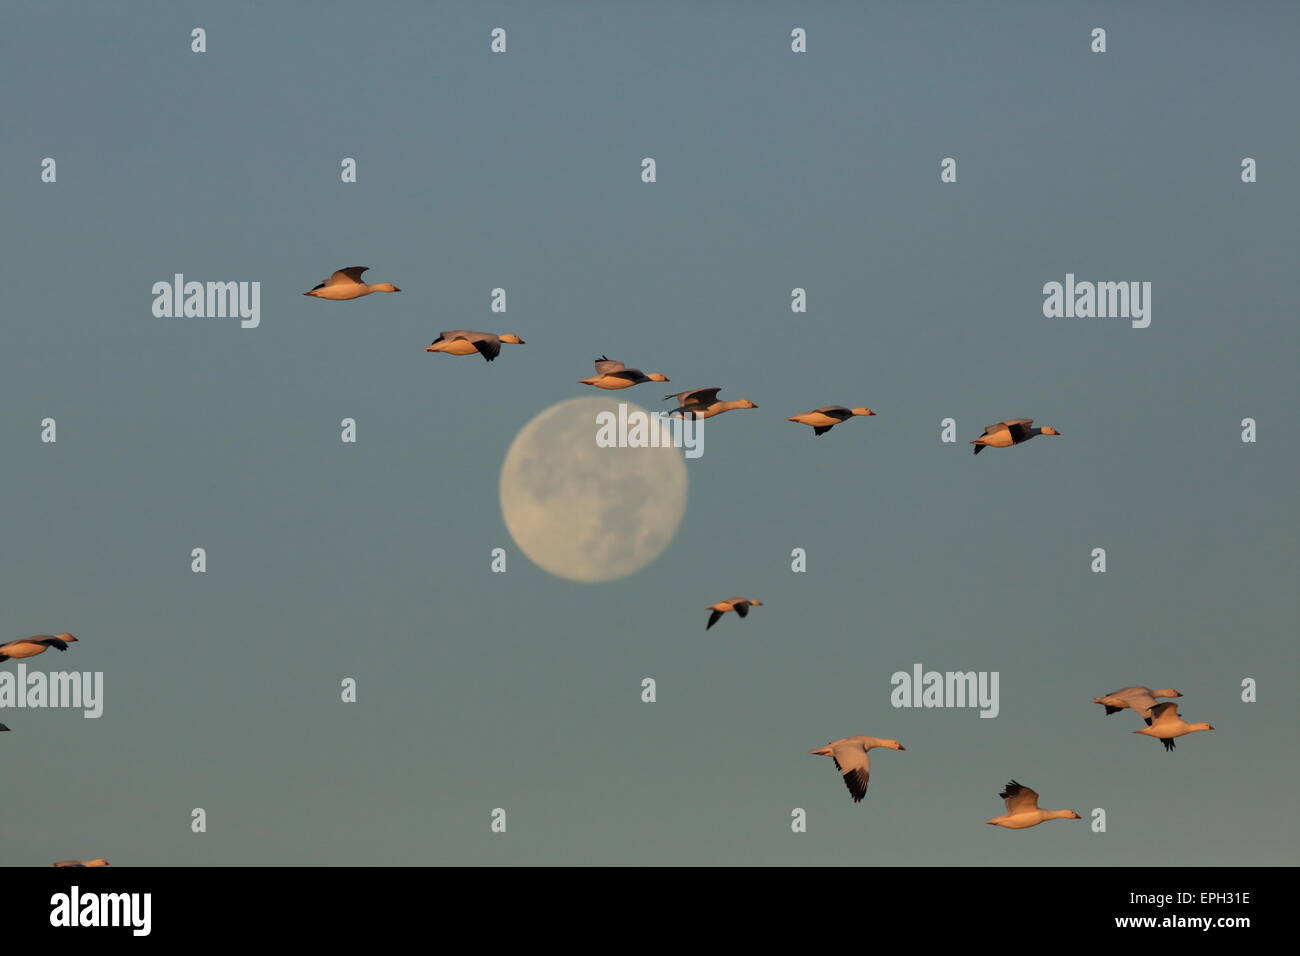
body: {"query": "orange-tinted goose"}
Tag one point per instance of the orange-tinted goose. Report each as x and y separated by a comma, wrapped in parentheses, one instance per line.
(31, 646)
(346, 284)
(100, 861)
(1023, 811)
(464, 342)
(827, 417)
(704, 403)
(1166, 725)
(1013, 432)
(738, 604)
(853, 762)
(612, 374)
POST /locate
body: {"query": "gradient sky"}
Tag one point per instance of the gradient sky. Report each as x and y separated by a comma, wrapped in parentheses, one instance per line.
(776, 170)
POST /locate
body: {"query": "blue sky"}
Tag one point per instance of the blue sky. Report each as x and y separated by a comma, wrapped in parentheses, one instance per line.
(775, 171)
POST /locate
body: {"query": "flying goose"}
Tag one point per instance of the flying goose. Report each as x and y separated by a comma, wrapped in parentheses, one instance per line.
(462, 342)
(1022, 809)
(1166, 725)
(852, 760)
(1140, 699)
(100, 861)
(739, 604)
(703, 403)
(347, 284)
(31, 646)
(827, 417)
(612, 374)
(1006, 434)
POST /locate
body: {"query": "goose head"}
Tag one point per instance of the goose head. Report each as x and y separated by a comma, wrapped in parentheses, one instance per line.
(384, 287)
(892, 745)
(656, 377)
(511, 339)
(1167, 692)
(745, 403)
(67, 638)
(863, 411)
(1049, 430)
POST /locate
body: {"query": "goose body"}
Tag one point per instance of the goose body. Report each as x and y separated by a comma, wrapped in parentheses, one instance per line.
(464, 342)
(738, 604)
(97, 862)
(612, 374)
(827, 417)
(347, 284)
(1140, 699)
(1008, 433)
(31, 646)
(853, 762)
(1023, 810)
(1165, 725)
(704, 403)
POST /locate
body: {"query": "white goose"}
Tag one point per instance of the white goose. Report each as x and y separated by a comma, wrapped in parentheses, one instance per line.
(703, 403)
(827, 417)
(31, 646)
(738, 604)
(1023, 811)
(1166, 725)
(1140, 699)
(347, 284)
(852, 760)
(612, 374)
(464, 342)
(1008, 433)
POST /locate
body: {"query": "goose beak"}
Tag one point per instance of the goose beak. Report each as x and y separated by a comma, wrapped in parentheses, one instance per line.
(901, 747)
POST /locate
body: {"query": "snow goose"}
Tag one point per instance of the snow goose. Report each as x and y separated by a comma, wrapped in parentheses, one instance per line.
(96, 862)
(31, 646)
(612, 374)
(827, 417)
(703, 403)
(463, 342)
(739, 604)
(347, 284)
(1022, 809)
(852, 760)
(1006, 434)
(1166, 725)
(1140, 699)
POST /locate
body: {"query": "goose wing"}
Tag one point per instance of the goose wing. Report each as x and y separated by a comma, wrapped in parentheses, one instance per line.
(697, 398)
(1019, 798)
(350, 275)
(836, 411)
(1165, 713)
(606, 365)
(854, 763)
(489, 346)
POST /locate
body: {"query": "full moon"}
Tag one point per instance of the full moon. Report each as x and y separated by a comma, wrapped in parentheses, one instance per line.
(588, 513)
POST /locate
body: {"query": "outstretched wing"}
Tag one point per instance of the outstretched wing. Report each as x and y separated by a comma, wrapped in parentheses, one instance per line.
(852, 760)
(350, 275)
(713, 619)
(1019, 798)
(488, 348)
(605, 365)
(1165, 713)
